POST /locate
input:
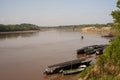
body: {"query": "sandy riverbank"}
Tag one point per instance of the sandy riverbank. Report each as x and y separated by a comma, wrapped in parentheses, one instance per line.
(91, 29)
(96, 30)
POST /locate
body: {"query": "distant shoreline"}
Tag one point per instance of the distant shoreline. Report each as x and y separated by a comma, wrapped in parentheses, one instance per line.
(83, 29)
(96, 30)
(15, 32)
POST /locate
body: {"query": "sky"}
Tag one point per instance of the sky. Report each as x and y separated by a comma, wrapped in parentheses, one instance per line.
(56, 12)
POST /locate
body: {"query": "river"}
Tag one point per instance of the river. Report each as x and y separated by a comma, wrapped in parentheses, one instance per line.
(25, 56)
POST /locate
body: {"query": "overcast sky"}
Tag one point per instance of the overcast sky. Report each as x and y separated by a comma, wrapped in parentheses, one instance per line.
(56, 12)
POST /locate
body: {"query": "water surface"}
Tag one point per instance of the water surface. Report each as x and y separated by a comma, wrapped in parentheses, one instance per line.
(25, 56)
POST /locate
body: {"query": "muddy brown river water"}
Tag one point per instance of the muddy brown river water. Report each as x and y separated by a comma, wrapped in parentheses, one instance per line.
(25, 56)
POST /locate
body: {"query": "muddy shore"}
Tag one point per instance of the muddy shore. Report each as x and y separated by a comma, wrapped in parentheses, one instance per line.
(16, 32)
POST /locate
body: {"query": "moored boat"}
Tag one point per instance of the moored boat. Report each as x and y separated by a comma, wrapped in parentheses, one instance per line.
(89, 49)
(74, 64)
(73, 71)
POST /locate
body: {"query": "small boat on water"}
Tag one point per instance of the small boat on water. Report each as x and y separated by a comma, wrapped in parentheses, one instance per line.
(108, 35)
(89, 49)
(100, 50)
(74, 71)
(74, 64)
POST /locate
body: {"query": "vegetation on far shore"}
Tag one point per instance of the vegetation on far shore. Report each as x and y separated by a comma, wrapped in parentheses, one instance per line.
(107, 66)
(21, 27)
(27, 27)
(80, 26)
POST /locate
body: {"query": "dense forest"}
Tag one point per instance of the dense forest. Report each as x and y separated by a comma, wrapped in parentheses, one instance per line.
(21, 27)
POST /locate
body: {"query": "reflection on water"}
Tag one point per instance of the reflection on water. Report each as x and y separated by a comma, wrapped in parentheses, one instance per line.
(14, 35)
(25, 56)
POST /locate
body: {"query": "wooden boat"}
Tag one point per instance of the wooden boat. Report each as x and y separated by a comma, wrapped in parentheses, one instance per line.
(99, 49)
(74, 64)
(89, 49)
(73, 71)
(108, 35)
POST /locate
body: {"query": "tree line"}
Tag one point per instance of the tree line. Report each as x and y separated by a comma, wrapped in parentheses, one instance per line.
(18, 27)
(87, 25)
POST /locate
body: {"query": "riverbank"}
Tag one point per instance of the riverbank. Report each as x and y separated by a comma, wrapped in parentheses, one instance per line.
(90, 29)
(16, 32)
(96, 30)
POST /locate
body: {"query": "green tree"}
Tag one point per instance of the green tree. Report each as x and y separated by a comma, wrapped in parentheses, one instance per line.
(116, 16)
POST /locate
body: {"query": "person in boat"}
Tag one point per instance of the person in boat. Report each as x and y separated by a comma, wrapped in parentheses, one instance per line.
(82, 37)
